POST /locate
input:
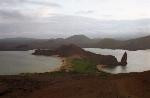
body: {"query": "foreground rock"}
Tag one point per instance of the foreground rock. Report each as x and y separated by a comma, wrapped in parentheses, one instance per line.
(77, 52)
(67, 85)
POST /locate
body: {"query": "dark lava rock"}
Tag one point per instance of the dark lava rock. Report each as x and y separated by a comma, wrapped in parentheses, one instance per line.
(124, 59)
(44, 52)
(75, 51)
(70, 50)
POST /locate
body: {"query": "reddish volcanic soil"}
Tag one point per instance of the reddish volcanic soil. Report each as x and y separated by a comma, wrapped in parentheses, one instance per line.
(133, 85)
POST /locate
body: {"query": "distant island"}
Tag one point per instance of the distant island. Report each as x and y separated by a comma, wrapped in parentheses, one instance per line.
(23, 44)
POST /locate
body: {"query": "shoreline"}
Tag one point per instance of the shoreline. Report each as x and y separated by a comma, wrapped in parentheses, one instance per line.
(65, 66)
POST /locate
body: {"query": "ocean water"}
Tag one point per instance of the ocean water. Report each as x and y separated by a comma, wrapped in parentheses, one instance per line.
(16, 62)
(138, 61)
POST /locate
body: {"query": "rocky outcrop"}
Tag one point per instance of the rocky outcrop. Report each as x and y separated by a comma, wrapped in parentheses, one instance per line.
(44, 52)
(77, 52)
(63, 51)
(124, 59)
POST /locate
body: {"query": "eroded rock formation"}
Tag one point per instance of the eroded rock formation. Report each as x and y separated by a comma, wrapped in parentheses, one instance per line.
(124, 59)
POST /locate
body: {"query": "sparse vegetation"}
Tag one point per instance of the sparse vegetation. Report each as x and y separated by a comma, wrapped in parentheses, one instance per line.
(83, 66)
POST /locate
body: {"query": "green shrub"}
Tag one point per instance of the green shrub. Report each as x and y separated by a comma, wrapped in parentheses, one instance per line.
(83, 66)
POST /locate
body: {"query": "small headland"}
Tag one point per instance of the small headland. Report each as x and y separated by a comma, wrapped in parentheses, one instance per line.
(77, 59)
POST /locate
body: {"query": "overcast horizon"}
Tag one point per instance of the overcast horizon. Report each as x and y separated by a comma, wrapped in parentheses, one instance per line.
(62, 18)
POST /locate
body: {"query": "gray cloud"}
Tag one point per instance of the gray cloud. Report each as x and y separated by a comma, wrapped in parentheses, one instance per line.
(11, 10)
(45, 3)
(16, 2)
(11, 2)
(23, 18)
(8, 16)
(62, 26)
(85, 12)
(107, 15)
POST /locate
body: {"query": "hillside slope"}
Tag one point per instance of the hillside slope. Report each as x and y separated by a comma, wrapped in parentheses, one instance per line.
(69, 85)
(79, 40)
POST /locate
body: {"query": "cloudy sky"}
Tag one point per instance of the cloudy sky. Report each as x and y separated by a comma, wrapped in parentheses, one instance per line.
(62, 18)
